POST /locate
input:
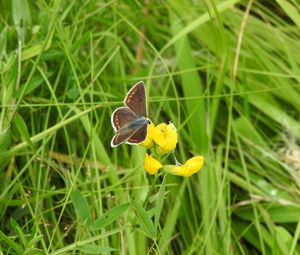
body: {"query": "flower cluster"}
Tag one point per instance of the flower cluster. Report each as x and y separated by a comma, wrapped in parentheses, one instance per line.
(163, 139)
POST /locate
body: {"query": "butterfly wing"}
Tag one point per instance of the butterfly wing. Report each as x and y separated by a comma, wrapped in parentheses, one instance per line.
(121, 137)
(122, 116)
(139, 136)
(136, 99)
(126, 120)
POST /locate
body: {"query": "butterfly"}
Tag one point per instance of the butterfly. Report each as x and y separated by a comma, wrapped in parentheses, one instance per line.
(130, 122)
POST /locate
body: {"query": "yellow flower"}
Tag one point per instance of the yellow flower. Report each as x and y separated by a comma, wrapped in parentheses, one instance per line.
(191, 166)
(151, 165)
(165, 136)
(148, 143)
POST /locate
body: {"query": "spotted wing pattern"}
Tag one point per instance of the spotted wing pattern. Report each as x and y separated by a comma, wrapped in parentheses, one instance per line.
(121, 137)
(139, 136)
(136, 99)
(122, 116)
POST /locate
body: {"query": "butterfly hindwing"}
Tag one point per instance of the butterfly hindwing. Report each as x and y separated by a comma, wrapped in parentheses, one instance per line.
(139, 136)
(136, 99)
(121, 137)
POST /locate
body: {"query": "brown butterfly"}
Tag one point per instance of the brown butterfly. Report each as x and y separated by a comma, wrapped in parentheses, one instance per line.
(130, 122)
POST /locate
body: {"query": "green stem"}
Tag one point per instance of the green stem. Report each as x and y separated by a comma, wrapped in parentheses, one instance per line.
(150, 190)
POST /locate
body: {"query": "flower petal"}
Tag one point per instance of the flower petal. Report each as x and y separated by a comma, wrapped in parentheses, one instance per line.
(194, 164)
(151, 165)
(158, 135)
(191, 166)
(166, 138)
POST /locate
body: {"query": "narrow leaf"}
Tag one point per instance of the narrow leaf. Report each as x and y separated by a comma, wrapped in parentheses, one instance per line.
(3, 42)
(16, 247)
(110, 216)
(144, 219)
(278, 213)
(73, 93)
(33, 84)
(22, 128)
(4, 139)
(290, 10)
(21, 17)
(95, 249)
(284, 239)
(19, 232)
(81, 207)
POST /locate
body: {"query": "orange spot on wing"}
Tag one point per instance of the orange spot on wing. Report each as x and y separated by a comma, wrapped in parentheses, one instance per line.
(117, 122)
(129, 97)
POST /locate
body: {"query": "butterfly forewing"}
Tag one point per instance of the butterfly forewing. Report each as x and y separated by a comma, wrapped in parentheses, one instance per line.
(139, 136)
(121, 117)
(136, 99)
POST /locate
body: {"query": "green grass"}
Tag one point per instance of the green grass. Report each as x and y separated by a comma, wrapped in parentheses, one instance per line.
(226, 73)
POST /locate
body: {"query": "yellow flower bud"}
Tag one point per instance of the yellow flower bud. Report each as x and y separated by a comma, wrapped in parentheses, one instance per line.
(151, 165)
(191, 166)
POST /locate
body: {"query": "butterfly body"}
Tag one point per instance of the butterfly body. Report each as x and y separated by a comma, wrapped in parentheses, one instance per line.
(130, 122)
(135, 125)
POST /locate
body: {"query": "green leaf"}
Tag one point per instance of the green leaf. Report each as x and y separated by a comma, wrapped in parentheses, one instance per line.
(3, 42)
(95, 249)
(110, 216)
(290, 10)
(276, 113)
(284, 239)
(4, 139)
(247, 232)
(73, 93)
(285, 213)
(245, 128)
(144, 219)
(33, 84)
(13, 245)
(21, 17)
(22, 128)
(278, 213)
(81, 207)
(32, 51)
(18, 231)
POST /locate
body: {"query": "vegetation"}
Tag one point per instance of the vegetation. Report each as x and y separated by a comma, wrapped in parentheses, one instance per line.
(225, 72)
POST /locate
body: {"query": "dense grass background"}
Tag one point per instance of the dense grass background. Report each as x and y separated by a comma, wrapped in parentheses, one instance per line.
(226, 73)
